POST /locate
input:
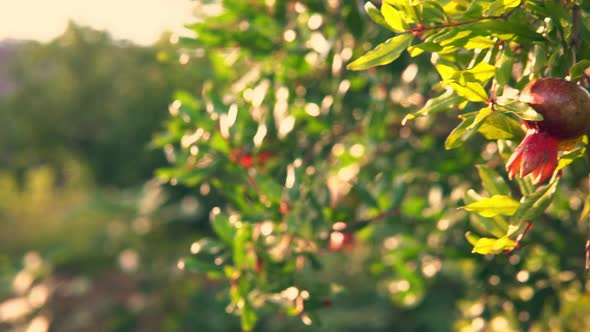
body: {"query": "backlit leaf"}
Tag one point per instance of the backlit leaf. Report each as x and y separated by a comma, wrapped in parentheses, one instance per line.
(393, 18)
(383, 54)
(493, 206)
(500, 126)
(375, 14)
(462, 132)
(486, 246)
(500, 7)
(577, 70)
(533, 205)
(520, 109)
(472, 91)
(444, 102)
(504, 69)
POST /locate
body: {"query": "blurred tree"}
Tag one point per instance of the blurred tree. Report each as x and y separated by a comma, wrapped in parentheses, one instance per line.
(86, 96)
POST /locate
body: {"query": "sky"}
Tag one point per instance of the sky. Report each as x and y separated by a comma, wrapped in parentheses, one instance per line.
(141, 21)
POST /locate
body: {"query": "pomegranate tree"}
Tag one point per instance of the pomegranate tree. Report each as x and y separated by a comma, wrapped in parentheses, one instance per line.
(565, 107)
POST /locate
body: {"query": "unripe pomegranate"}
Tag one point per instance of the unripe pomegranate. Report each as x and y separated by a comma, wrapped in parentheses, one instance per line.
(565, 108)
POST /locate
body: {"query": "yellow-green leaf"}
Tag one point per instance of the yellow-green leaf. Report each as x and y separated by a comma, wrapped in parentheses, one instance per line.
(504, 69)
(480, 117)
(393, 17)
(577, 70)
(375, 15)
(497, 226)
(500, 126)
(383, 54)
(533, 205)
(479, 42)
(482, 72)
(486, 246)
(444, 102)
(520, 109)
(500, 7)
(570, 157)
(461, 133)
(493, 206)
(472, 91)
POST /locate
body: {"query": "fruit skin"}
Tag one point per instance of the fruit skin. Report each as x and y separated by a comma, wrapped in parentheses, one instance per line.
(565, 106)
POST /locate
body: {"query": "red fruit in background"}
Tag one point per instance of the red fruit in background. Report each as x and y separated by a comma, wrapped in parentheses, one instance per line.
(263, 157)
(247, 160)
(565, 108)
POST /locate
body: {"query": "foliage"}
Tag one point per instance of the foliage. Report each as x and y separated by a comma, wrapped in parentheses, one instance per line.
(299, 191)
(88, 97)
(498, 45)
(307, 160)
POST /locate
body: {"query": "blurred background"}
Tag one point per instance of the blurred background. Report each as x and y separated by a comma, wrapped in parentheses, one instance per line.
(90, 239)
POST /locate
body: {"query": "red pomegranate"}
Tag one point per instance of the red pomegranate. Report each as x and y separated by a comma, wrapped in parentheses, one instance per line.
(565, 107)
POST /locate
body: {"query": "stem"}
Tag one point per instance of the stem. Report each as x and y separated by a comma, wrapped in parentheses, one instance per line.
(521, 235)
(575, 42)
(420, 28)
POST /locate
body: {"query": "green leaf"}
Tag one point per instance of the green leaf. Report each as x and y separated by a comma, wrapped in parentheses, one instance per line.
(461, 133)
(520, 109)
(533, 205)
(500, 7)
(456, 38)
(269, 187)
(248, 317)
(493, 206)
(375, 14)
(496, 226)
(418, 49)
(577, 70)
(394, 18)
(500, 126)
(570, 157)
(481, 42)
(539, 59)
(480, 117)
(469, 126)
(504, 69)
(481, 72)
(223, 228)
(383, 54)
(472, 238)
(469, 83)
(365, 196)
(586, 210)
(491, 180)
(486, 246)
(472, 91)
(194, 264)
(444, 102)
(242, 237)
(445, 71)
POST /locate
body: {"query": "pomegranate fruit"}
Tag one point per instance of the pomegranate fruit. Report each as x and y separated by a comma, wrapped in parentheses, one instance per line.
(565, 107)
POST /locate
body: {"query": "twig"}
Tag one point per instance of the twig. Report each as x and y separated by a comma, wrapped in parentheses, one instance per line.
(575, 41)
(419, 29)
